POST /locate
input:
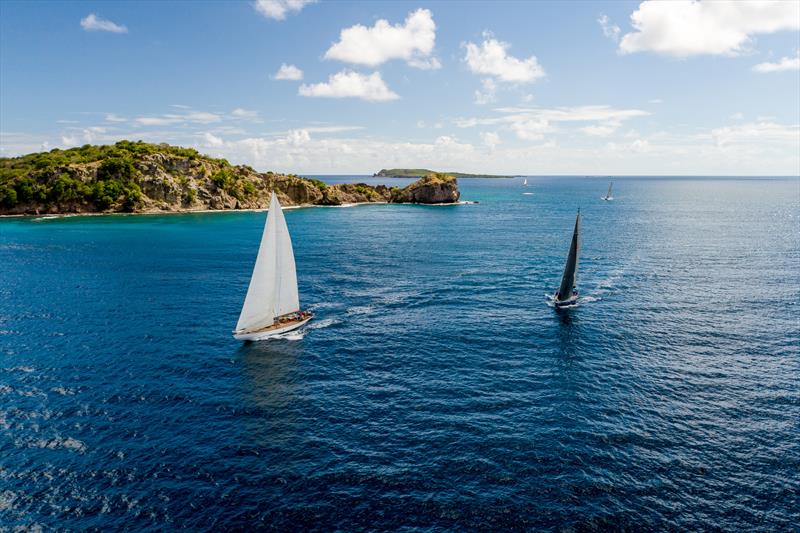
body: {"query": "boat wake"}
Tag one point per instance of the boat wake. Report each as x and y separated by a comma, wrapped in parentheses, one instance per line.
(527, 194)
(321, 324)
(360, 310)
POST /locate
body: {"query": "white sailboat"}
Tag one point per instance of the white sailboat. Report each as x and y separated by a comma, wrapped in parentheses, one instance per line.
(567, 294)
(272, 304)
(525, 182)
(608, 196)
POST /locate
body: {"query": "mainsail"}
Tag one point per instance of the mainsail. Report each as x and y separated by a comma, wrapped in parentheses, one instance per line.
(570, 277)
(608, 194)
(273, 286)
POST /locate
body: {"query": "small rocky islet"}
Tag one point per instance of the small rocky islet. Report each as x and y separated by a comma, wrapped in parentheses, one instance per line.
(139, 177)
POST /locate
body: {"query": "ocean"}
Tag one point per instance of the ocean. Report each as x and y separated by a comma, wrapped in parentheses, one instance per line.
(435, 390)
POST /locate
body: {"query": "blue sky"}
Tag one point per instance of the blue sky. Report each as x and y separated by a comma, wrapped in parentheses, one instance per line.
(677, 87)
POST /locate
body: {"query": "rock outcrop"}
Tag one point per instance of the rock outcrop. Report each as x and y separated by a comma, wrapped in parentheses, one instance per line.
(432, 189)
(141, 177)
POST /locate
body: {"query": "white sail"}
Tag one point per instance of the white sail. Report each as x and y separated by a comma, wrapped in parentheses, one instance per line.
(608, 194)
(273, 286)
(525, 181)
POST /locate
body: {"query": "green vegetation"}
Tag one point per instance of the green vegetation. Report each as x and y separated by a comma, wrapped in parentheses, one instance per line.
(321, 185)
(68, 177)
(422, 172)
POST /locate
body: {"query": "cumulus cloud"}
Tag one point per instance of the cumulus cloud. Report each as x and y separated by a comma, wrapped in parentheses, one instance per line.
(489, 92)
(94, 23)
(288, 72)
(212, 140)
(278, 9)
(349, 84)
(610, 29)
(684, 28)
(491, 58)
(782, 65)
(412, 41)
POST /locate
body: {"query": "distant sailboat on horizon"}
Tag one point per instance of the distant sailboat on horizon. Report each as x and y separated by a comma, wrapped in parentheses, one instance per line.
(525, 182)
(608, 196)
(567, 294)
(272, 304)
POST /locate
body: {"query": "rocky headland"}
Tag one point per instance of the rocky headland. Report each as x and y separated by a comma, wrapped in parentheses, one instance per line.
(138, 177)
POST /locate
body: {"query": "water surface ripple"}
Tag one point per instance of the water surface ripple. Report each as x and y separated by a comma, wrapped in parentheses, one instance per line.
(435, 390)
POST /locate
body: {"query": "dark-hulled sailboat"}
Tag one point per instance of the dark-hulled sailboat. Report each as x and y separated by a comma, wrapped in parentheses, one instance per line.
(567, 294)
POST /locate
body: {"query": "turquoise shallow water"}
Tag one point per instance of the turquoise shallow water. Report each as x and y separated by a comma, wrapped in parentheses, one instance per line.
(435, 390)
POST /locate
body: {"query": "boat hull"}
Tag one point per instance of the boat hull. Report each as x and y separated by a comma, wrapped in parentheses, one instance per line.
(271, 332)
(561, 304)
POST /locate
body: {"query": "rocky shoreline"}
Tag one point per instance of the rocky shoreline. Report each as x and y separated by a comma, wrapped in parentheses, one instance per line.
(144, 178)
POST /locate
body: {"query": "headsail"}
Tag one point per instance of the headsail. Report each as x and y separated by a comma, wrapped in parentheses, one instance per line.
(570, 278)
(273, 285)
(608, 194)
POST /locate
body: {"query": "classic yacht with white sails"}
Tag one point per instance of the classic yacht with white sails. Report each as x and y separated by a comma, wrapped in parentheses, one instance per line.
(567, 294)
(272, 304)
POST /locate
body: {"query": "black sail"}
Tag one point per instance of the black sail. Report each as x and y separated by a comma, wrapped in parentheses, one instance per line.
(570, 277)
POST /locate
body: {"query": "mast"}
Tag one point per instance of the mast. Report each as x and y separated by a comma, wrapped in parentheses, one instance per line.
(570, 278)
(273, 285)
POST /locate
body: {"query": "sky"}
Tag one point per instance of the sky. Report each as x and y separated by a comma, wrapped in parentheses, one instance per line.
(648, 87)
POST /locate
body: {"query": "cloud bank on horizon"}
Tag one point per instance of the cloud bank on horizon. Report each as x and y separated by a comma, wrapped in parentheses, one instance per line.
(407, 87)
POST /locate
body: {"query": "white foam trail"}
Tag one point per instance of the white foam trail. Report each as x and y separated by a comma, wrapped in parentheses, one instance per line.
(360, 310)
(321, 324)
(290, 336)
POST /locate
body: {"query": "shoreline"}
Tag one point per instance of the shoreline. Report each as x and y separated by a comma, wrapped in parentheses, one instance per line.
(48, 216)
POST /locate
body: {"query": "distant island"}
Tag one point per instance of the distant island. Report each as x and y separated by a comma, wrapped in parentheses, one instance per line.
(139, 177)
(420, 172)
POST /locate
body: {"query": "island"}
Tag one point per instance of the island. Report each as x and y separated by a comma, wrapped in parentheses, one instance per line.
(421, 172)
(139, 177)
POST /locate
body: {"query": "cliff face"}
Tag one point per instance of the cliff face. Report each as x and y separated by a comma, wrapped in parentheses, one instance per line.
(139, 177)
(432, 189)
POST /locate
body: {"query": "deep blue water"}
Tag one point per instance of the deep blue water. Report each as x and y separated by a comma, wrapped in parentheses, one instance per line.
(435, 390)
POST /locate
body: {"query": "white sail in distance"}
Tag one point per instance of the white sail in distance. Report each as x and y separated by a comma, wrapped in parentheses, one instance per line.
(273, 285)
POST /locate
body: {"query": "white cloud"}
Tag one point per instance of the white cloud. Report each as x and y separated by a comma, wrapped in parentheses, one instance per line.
(531, 124)
(288, 72)
(531, 129)
(601, 130)
(684, 28)
(349, 84)
(491, 58)
(278, 9)
(784, 64)
(757, 132)
(656, 101)
(212, 140)
(94, 23)
(111, 117)
(246, 114)
(489, 92)
(610, 29)
(737, 116)
(491, 139)
(197, 117)
(412, 41)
